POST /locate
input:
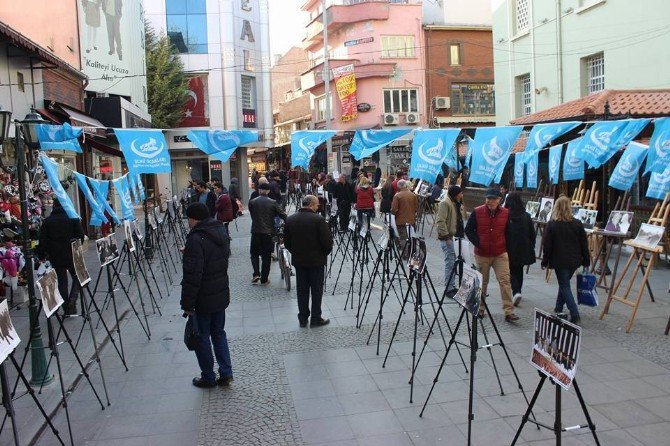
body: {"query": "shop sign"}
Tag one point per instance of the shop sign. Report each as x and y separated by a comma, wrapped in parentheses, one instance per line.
(248, 118)
(364, 107)
(180, 138)
(359, 41)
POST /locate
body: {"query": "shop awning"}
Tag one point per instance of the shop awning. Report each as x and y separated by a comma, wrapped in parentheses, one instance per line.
(104, 148)
(81, 119)
(465, 119)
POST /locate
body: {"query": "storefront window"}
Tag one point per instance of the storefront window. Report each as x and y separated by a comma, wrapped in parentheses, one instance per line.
(473, 99)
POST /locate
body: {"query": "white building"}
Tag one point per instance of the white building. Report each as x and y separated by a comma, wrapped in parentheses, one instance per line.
(457, 12)
(225, 46)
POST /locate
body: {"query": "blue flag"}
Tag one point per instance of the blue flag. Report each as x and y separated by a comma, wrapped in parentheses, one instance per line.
(101, 189)
(555, 163)
(221, 144)
(304, 143)
(145, 150)
(59, 137)
(468, 154)
(123, 190)
(573, 166)
(431, 149)
(599, 143)
(140, 187)
(51, 169)
(659, 147)
(659, 184)
(544, 134)
(629, 164)
(367, 142)
(132, 183)
(96, 210)
(630, 131)
(531, 170)
(490, 151)
(518, 170)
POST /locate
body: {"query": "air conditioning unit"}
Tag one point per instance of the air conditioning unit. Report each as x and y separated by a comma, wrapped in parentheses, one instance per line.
(442, 102)
(412, 118)
(391, 119)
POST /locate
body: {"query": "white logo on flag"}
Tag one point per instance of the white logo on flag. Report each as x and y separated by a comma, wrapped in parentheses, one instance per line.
(492, 152)
(149, 149)
(432, 155)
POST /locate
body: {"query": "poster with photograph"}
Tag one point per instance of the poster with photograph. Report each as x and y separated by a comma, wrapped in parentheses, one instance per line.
(587, 217)
(365, 226)
(152, 222)
(79, 264)
(48, 287)
(136, 230)
(170, 208)
(9, 339)
(469, 294)
(157, 216)
(352, 223)
(546, 208)
(422, 189)
(383, 242)
(649, 235)
(417, 257)
(619, 222)
(555, 348)
(128, 231)
(108, 251)
(443, 195)
(575, 211)
(533, 207)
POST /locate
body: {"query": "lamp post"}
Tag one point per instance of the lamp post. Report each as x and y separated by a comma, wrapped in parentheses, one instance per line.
(28, 128)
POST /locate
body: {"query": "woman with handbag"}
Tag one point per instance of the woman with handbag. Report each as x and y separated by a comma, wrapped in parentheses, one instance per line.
(565, 249)
(520, 243)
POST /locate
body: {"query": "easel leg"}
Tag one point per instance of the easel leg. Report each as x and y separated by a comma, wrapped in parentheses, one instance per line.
(592, 426)
(525, 417)
(7, 402)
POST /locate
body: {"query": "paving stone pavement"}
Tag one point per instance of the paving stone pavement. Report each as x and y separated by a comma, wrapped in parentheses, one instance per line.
(326, 386)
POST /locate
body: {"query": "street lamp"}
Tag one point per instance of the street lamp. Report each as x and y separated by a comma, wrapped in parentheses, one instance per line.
(39, 370)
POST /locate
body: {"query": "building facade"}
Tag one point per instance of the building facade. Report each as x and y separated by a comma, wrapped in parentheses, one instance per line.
(548, 53)
(225, 46)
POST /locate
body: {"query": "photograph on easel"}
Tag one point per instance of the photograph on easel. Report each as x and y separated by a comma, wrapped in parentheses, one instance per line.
(170, 208)
(422, 189)
(555, 348)
(417, 257)
(533, 207)
(48, 287)
(619, 222)
(469, 294)
(587, 217)
(136, 230)
(649, 236)
(575, 211)
(546, 208)
(79, 264)
(157, 216)
(128, 231)
(384, 239)
(107, 249)
(9, 339)
(152, 222)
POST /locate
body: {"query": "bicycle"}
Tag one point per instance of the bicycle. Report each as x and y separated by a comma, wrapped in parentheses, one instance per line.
(283, 256)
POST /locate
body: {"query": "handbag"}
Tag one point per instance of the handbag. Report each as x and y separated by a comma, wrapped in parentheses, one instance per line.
(586, 289)
(191, 332)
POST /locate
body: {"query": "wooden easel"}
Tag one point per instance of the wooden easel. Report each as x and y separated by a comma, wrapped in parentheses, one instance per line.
(578, 195)
(590, 200)
(659, 217)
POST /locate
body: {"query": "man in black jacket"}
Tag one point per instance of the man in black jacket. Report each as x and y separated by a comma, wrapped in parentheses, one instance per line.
(344, 193)
(56, 236)
(205, 294)
(205, 196)
(263, 211)
(309, 241)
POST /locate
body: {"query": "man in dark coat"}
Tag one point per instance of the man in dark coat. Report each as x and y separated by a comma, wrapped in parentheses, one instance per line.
(205, 196)
(309, 241)
(344, 193)
(205, 293)
(56, 236)
(263, 211)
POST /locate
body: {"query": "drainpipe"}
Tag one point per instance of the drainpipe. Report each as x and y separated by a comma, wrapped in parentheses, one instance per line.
(326, 80)
(559, 51)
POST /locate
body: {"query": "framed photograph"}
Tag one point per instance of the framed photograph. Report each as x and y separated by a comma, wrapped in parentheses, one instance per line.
(575, 210)
(587, 217)
(619, 222)
(384, 239)
(136, 230)
(417, 257)
(533, 207)
(152, 222)
(48, 287)
(157, 216)
(9, 339)
(469, 294)
(128, 231)
(107, 249)
(649, 235)
(79, 264)
(443, 195)
(555, 348)
(546, 208)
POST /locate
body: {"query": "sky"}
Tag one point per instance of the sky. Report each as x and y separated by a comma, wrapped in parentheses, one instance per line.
(287, 25)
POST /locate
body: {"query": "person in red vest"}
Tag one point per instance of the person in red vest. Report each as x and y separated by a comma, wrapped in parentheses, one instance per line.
(487, 229)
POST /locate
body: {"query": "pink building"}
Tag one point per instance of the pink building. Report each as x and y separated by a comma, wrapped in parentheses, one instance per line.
(384, 42)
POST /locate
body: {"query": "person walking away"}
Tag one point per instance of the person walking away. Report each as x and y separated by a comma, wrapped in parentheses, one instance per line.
(436, 190)
(345, 195)
(224, 207)
(365, 200)
(56, 236)
(308, 239)
(263, 211)
(275, 190)
(234, 189)
(387, 196)
(399, 175)
(487, 229)
(205, 293)
(520, 244)
(205, 196)
(404, 206)
(450, 217)
(255, 193)
(565, 249)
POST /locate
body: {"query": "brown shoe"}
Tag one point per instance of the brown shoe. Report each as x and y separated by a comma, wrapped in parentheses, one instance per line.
(511, 317)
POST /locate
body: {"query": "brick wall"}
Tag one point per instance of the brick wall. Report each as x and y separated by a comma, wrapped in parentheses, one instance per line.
(62, 87)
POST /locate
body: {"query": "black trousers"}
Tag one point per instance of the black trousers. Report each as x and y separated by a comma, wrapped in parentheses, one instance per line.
(309, 279)
(261, 246)
(516, 278)
(343, 213)
(68, 294)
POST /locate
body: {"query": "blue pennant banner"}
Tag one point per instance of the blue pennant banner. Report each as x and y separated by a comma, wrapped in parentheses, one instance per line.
(51, 169)
(430, 150)
(221, 144)
(518, 170)
(573, 166)
(544, 134)
(101, 189)
(468, 155)
(59, 137)
(490, 151)
(659, 184)
(140, 187)
(625, 172)
(96, 210)
(367, 142)
(531, 170)
(630, 131)
(133, 188)
(599, 143)
(659, 147)
(146, 151)
(123, 190)
(555, 163)
(304, 144)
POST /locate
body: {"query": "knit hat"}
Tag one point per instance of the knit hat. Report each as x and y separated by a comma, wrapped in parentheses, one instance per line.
(263, 186)
(197, 211)
(454, 191)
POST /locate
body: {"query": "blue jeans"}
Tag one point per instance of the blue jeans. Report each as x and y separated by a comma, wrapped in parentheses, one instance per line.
(449, 261)
(211, 325)
(565, 297)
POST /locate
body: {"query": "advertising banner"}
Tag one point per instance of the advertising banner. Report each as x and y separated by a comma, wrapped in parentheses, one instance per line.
(345, 83)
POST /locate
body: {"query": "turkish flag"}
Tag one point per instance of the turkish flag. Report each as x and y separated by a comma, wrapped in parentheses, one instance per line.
(196, 110)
